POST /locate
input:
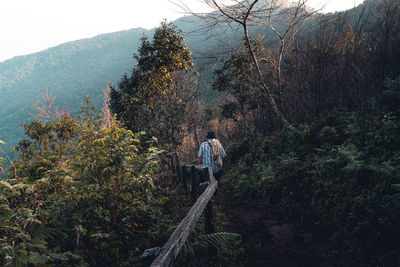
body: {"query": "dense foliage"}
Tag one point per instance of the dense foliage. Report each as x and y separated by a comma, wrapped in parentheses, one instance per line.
(157, 96)
(335, 176)
(337, 171)
(80, 194)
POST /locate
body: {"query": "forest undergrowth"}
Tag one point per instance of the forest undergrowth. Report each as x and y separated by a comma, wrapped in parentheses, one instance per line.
(270, 241)
(338, 177)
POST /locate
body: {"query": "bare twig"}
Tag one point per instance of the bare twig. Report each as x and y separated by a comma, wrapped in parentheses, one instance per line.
(45, 110)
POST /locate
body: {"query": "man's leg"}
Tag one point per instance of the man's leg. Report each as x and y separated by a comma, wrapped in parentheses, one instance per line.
(217, 175)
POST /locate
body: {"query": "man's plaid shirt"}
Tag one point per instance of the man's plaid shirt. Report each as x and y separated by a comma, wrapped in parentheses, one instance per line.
(205, 155)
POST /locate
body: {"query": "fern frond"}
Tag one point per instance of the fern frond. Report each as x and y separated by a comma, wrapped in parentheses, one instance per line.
(187, 249)
(219, 240)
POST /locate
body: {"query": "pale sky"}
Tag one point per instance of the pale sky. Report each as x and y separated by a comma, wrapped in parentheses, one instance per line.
(28, 26)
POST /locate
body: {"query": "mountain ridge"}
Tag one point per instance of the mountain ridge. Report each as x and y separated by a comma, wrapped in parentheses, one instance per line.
(70, 70)
(71, 41)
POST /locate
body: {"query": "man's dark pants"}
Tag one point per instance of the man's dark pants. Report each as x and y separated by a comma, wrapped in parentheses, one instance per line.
(217, 175)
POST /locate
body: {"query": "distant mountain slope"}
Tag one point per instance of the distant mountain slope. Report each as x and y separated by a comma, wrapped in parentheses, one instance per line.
(63, 67)
(71, 71)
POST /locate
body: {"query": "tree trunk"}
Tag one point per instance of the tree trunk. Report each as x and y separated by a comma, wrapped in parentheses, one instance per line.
(265, 88)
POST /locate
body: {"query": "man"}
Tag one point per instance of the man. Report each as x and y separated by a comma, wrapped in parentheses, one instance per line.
(206, 153)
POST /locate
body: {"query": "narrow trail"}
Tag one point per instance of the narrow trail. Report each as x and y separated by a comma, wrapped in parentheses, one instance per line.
(271, 242)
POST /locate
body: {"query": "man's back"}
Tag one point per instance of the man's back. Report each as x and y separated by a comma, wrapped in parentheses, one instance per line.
(205, 153)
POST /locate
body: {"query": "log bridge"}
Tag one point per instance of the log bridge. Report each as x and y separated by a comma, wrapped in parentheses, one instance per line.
(199, 179)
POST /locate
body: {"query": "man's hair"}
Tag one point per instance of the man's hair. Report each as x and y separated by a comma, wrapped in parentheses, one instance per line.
(210, 135)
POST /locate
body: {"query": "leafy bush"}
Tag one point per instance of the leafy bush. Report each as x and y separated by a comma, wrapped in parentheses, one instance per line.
(340, 175)
(81, 194)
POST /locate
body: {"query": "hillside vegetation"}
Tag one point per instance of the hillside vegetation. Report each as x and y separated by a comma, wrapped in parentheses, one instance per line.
(74, 70)
(70, 71)
(336, 171)
(307, 110)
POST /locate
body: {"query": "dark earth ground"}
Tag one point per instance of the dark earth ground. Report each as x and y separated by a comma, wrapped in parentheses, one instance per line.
(271, 242)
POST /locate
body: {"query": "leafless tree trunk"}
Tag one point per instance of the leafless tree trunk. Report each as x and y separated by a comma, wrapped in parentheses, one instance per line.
(107, 114)
(248, 13)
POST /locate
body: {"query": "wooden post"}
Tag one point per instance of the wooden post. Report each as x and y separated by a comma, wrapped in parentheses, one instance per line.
(209, 228)
(179, 173)
(190, 181)
(194, 192)
(208, 216)
(205, 175)
(209, 219)
(184, 177)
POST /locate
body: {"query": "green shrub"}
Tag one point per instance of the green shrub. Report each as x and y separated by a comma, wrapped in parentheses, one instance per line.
(81, 194)
(338, 173)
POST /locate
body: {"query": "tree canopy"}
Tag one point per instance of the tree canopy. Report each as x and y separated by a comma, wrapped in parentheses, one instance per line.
(159, 63)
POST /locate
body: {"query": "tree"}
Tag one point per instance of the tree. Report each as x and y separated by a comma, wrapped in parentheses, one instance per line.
(237, 80)
(156, 95)
(249, 13)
